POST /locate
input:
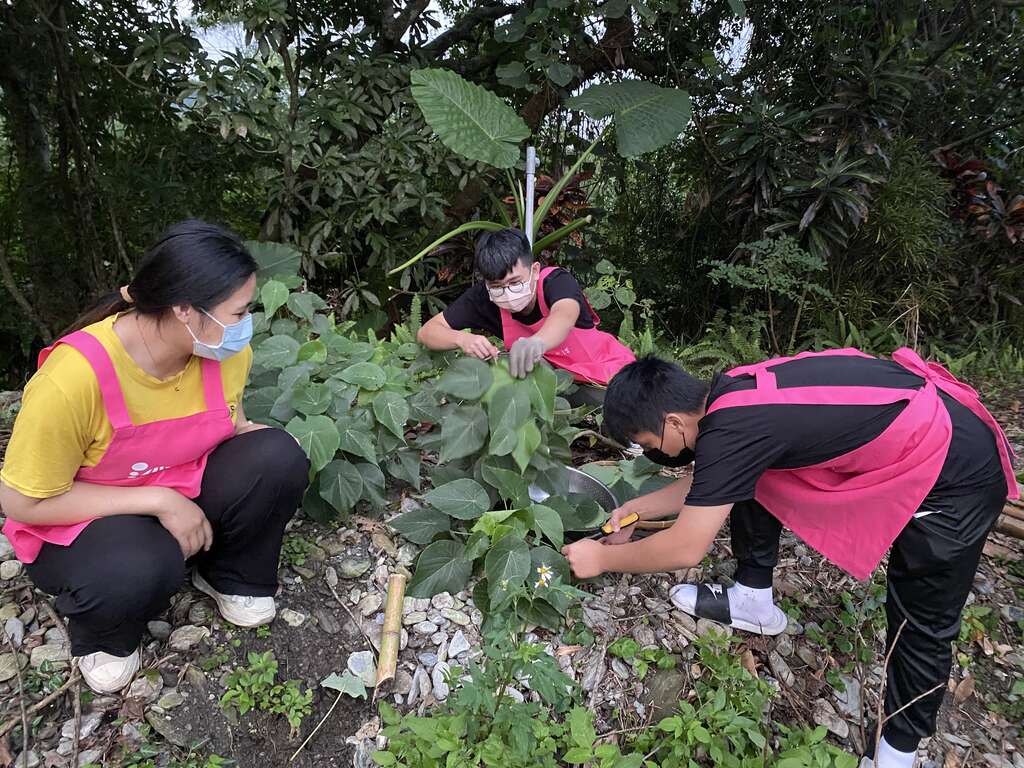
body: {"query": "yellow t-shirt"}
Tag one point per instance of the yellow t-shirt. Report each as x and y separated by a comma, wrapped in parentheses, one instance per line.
(63, 424)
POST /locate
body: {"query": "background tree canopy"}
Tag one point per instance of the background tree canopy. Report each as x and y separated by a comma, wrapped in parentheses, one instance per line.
(851, 172)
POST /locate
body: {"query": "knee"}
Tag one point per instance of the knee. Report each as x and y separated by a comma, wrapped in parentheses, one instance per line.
(138, 583)
(276, 457)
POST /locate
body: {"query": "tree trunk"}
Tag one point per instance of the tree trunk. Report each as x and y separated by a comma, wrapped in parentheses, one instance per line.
(58, 282)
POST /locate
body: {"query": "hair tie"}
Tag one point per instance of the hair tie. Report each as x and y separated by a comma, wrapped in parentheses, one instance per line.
(126, 296)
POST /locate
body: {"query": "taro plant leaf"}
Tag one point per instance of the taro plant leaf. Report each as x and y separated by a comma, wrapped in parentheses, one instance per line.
(373, 485)
(341, 485)
(302, 305)
(355, 440)
(541, 387)
(258, 402)
(463, 433)
(511, 485)
(507, 564)
(466, 379)
(469, 119)
(392, 411)
(311, 398)
(315, 506)
(314, 351)
(277, 352)
(421, 525)
(366, 375)
(646, 115)
(464, 499)
(404, 464)
(274, 258)
(491, 521)
(503, 440)
(318, 437)
(528, 439)
(441, 567)
(510, 406)
(346, 683)
(477, 545)
(547, 522)
(273, 294)
(609, 474)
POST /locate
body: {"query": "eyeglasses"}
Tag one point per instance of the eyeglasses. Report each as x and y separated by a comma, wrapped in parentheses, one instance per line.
(513, 288)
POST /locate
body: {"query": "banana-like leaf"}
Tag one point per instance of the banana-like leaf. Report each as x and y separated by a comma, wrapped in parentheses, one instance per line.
(559, 234)
(491, 226)
(550, 197)
(646, 116)
(469, 119)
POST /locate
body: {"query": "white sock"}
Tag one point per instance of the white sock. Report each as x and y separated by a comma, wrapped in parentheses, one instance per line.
(890, 757)
(751, 604)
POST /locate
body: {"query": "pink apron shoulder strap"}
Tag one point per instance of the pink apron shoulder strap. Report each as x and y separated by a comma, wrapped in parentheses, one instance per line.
(110, 387)
(544, 310)
(213, 386)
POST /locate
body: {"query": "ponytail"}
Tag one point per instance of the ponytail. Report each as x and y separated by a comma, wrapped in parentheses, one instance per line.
(105, 306)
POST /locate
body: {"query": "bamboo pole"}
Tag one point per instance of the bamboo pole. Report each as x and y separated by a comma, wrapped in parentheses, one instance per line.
(1010, 526)
(1014, 511)
(391, 636)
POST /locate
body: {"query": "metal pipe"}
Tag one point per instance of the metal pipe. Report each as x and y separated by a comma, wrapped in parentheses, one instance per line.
(531, 169)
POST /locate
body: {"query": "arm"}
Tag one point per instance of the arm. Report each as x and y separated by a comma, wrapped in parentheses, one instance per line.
(660, 503)
(562, 319)
(437, 334)
(185, 521)
(681, 546)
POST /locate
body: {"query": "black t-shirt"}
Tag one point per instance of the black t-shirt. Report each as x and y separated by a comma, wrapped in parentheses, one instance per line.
(474, 308)
(736, 445)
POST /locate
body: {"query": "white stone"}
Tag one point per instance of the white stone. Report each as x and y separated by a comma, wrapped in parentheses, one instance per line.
(146, 687)
(442, 600)
(414, 617)
(456, 617)
(187, 637)
(9, 665)
(781, 669)
(825, 714)
(437, 677)
(292, 618)
(6, 550)
(57, 655)
(848, 701)
(90, 722)
(15, 629)
(370, 604)
(425, 628)
(10, 569)
(458, 645)
(362, 665)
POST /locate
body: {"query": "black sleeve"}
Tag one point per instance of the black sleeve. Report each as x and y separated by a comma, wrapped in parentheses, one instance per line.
(475, 310)
(561, 284)
(734, 448)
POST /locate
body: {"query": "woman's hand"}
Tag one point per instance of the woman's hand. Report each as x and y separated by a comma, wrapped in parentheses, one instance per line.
(186, 522)
(621, 535)
(249, 426)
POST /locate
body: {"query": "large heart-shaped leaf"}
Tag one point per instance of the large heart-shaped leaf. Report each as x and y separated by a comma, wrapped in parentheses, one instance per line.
(441, 567)
(315, 506)
(392, 410)
(541, 385)
(421, 525)
(464, 499)
(647, 116)
(346, 683)
(354, 439)
(549, 523)
(366, 375)
(404, 464)
(510, 406)
(311, 398)
(528, 440)
(469, 119)
(507, 565)
(463, 433)
(274, 258)
(304, 305)
(318, 437)
(314, 351)
(510, 484)
(341, 485)
(258, 402)
(466, 379)
(277, 352)
(273, 294)
(373, 485)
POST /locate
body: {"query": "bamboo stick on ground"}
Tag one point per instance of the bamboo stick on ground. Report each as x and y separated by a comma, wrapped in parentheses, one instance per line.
(1013, 510)
(391, 635)
(1010, 526)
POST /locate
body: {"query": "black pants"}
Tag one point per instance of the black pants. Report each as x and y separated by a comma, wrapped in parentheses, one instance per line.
(931, 569)
(121, 571)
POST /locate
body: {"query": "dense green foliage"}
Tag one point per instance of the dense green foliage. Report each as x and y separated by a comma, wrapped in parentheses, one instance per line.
(883, 139)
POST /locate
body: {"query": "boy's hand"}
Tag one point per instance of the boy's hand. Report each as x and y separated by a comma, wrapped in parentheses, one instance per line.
(622, 535)
(585, 558)
(478, 346)
(524, 354)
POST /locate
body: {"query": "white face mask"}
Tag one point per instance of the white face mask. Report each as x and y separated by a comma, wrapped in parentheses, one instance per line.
(514, 297)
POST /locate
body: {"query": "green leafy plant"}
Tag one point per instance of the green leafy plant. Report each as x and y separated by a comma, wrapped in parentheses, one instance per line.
(295, 549)
(256, 687)
(642, 659)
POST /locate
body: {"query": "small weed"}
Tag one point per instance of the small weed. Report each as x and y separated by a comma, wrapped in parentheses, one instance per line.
(218, 658)
(256, 687)
(628, 649)
(43, 679)
(263, 632)
(295, 549)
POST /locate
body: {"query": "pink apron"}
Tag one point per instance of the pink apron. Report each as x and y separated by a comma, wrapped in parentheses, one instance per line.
(590, 355)
(851, 508)
(171, 453)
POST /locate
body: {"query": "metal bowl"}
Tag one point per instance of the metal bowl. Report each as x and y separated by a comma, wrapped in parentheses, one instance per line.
(572, 480)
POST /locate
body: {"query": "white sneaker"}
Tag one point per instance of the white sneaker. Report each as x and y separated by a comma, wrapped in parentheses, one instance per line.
(240, 610)
(762, 619)
(105, 673)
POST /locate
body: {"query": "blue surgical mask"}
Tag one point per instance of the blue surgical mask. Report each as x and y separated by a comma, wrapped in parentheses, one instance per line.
(236, 338)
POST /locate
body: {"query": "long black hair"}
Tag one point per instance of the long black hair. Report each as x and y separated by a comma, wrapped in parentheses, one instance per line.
(192, 263)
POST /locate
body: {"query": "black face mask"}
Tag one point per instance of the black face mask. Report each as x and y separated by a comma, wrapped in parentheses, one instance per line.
(682, 459)
(685, 457)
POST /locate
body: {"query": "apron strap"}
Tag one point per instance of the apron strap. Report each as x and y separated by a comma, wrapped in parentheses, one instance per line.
(110, 386)
(213, 388)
